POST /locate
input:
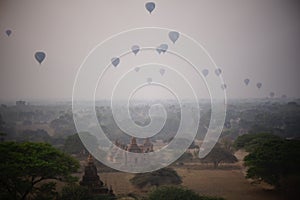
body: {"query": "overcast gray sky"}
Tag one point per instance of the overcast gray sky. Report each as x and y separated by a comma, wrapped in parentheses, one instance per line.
(256, 39)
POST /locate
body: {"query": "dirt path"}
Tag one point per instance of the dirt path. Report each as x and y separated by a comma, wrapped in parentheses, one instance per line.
(229, 184)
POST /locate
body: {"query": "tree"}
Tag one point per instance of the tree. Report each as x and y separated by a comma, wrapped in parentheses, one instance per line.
(74, 145)
(185, 157)
(39, 135)
(2, 123)
(194, 146)
(24, 167)
(164, 176)
(218, 155)
(250, 141)
(2, 134)
(177, 193)
(276, 162)
(75, 192)
(64, 125)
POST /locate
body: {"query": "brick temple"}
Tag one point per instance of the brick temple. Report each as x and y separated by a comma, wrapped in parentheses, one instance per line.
(92, 181)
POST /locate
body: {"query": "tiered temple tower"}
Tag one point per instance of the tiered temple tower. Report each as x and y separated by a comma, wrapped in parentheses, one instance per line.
(91, 179)
(133, 147)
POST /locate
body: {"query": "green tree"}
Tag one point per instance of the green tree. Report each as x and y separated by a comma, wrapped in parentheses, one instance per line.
(218, 155)
(185, 157)
(2, 123)
(46, 191)
(277, 163)
(75, 192)
(177, 193)
(250, 141)
(24, 167)
(73, 143)
(164, 176)
(2, 134)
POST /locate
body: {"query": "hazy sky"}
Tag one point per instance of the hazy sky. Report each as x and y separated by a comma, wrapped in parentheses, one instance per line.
(256, 39)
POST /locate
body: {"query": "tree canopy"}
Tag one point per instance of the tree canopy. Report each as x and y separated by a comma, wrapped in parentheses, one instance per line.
(277, 163)
(24, 165)
(217, 155)
(250, 141)
(164, 176)
(74, 145)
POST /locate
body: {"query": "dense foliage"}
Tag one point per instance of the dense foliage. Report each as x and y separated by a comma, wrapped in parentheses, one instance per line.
(274, 161)
(217, 155)
(164, 176)
(24, 167)
(249, 142)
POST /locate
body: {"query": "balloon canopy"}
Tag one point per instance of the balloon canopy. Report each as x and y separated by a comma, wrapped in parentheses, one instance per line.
(258, 85)
(247, 81)
(150, 6)
(162, 48)
(218, 72)
(137, 69)
(149, 80)
(8, 32)
(223, 86)
(205, 72)
(162, 71)
(135, 49)
(115, 61)
(173, 35)
(40, 56)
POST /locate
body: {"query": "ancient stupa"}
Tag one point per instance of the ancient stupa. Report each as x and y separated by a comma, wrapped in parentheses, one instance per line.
(92, 181)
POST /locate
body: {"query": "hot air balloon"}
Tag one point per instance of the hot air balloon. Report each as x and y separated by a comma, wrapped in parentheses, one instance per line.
(218, 71)
(258, 85)
(115, 61)
(162, 71)
(162, 48)
(158, 50)
(137, 69)
(173, 35)
(205, 72)
(272, 94)
(150, 6)
(135, 49)
(8, 32)
(246, 81)
(223, 86)
(40, 56)
(149, 80)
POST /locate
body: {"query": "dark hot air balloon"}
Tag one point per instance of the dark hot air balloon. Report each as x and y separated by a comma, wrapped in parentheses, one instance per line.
(247, 81)
(173, 35)
(218, 72)
(135, 49)
(40, 56)
(115, 61)
(258, 85)
(8, 32)
(205, 72)
(150, 6)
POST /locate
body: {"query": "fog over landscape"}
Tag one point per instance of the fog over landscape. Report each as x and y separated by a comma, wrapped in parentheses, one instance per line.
(142, 100)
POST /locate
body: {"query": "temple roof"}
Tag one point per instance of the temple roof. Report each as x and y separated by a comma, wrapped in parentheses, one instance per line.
(133, 147)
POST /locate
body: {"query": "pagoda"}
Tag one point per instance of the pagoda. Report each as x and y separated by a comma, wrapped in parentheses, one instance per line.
(92, 181)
